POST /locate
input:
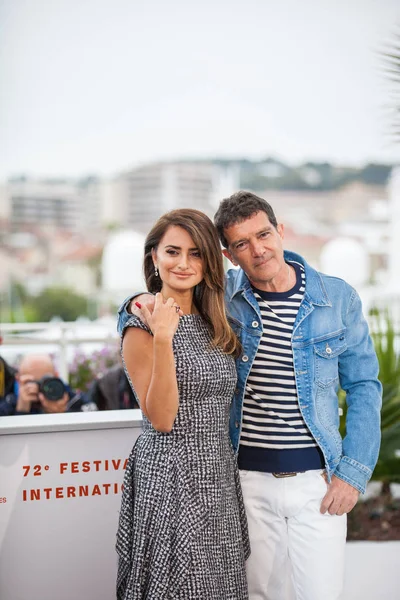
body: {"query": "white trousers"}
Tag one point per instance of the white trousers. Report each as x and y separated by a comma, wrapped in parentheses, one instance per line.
(296, 552)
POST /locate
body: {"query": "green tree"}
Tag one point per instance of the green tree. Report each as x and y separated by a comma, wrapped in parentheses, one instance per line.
(376, 174)
(59, 302)
(388, 467)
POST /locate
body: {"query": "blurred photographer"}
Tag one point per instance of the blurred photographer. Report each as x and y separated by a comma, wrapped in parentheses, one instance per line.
(38, 390)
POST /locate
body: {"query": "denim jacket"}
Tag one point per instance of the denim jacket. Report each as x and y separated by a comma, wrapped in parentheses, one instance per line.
(331, 347)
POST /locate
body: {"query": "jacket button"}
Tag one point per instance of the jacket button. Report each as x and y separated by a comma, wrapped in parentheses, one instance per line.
(328, 350)
(245, 358)
(237, 424)
(237, 391)
(254, 324)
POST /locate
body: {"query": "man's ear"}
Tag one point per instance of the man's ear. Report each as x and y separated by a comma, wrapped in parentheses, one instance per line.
(281, 230)
(229, 256)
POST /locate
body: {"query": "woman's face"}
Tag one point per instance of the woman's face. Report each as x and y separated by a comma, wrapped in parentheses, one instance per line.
(178, 260)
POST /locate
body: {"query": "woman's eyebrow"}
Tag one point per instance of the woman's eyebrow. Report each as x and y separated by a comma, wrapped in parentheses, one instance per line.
(178, 247)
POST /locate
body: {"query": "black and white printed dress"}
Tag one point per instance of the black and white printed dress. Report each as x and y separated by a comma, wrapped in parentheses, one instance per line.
(182, 528)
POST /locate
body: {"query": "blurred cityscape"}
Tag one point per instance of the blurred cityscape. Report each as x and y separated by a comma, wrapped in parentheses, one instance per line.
(86, 235)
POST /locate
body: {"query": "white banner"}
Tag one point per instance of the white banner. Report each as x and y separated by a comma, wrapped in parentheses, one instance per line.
(60, 492)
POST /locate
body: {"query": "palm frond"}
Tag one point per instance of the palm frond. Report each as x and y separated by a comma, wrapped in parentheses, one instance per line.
(391, 71)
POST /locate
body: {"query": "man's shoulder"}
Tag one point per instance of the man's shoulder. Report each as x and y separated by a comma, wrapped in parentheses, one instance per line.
(8, 405)
(235, 279)
(328, 279)
(319, 282)
(336, 284)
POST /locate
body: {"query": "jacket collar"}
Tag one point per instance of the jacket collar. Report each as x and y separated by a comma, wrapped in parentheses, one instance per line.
(315, 288)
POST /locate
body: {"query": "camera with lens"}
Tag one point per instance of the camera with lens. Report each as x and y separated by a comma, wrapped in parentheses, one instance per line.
(52, 388)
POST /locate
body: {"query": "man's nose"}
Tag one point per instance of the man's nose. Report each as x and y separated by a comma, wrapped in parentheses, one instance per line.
(257, 248)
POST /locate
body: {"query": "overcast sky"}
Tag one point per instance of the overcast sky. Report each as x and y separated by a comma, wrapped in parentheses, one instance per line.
(95, 86)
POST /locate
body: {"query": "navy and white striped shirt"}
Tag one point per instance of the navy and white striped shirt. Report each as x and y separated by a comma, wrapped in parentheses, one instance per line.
(274, 436)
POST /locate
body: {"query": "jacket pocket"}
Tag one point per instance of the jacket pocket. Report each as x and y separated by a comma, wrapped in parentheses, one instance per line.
(239, 328)
(326, 353)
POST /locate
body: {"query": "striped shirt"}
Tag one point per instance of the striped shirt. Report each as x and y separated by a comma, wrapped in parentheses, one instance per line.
(272, 421)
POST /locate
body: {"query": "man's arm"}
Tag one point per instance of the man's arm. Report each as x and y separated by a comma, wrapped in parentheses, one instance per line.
(358, 374)
(126, 309)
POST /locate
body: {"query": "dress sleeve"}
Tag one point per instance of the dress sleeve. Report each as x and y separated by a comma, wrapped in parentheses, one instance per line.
(134, 321)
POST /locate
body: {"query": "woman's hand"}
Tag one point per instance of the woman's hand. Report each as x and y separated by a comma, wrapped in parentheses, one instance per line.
(164, 319)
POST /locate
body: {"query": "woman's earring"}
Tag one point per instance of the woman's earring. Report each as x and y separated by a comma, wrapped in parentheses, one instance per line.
(155, 271)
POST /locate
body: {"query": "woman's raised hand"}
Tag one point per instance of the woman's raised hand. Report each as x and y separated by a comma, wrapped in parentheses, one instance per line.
(164, 319)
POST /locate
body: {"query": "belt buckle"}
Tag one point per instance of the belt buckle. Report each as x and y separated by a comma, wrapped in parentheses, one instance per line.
(282, 475)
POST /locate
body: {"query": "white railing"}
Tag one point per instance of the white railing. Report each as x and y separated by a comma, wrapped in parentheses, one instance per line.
(61, 337)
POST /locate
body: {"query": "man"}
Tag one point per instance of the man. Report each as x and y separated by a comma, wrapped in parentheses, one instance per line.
(29, 397)
(303, 334)
(112, 391)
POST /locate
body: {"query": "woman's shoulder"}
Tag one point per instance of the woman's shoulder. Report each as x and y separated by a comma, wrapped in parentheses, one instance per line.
(136, 322)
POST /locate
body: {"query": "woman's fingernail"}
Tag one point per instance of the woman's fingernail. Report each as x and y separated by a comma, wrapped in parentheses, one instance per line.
(138, 305)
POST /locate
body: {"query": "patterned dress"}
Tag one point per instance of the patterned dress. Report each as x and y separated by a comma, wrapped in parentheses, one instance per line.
(182, 529)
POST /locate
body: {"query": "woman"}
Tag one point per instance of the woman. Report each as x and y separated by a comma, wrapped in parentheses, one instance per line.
(182, 530)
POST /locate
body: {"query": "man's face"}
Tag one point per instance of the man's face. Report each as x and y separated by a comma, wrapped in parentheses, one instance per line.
(256, 246)
(36, 370)
(32, 369)
(30, 372)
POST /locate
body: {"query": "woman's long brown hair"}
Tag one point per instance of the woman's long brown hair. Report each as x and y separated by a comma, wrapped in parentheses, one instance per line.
(209, 293)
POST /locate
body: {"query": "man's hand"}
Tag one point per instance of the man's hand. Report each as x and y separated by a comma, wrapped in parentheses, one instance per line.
(340, 498)
(146, 300)
(54, 406)
(27, 393)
